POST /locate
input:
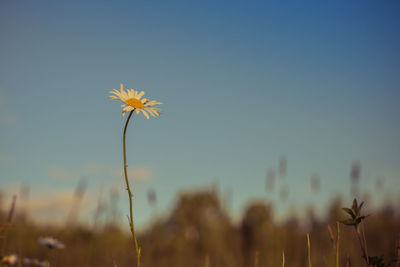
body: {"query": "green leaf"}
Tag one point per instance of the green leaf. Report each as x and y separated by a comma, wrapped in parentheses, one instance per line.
(354, 204)
(350, 212)
(357, 212)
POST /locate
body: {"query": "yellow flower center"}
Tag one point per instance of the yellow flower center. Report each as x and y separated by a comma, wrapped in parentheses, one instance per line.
(135, 103)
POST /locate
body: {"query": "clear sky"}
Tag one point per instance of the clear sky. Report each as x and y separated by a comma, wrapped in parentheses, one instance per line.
(243, 83)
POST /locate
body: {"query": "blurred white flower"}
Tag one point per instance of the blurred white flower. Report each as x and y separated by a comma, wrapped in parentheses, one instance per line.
(34, 262)
(51, 242)
(10, 260)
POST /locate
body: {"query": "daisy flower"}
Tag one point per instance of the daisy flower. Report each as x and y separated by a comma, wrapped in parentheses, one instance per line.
(51, 242)
(133, 101)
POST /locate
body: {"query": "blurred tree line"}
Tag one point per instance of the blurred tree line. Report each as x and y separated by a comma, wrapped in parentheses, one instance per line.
(200, 233)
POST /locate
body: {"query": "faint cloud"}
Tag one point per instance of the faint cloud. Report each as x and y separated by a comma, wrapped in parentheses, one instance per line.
(93, 168)
(140, 174)
(98, 170)
(47, 205)
(54, 203)
(137, 173)
(60, 173)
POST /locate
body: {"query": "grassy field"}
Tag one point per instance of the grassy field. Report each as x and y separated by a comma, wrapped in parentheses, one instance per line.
(199, 232)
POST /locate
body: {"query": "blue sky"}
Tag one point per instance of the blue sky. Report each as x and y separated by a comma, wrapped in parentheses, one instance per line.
(242, 85)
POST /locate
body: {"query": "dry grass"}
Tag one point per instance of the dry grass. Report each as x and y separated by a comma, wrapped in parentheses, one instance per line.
(198, 232)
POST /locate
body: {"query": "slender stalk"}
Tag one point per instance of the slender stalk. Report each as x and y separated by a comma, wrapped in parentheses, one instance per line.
(365, 241)
(309, 250)
(207, 261)
(114, 263)
(283, 258)
(7, 224)
(398, 251)
(357, 228)
(256, 258)
(337, 243)
(137, 248)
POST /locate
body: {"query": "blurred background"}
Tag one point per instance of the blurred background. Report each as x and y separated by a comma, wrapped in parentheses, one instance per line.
(275, 115)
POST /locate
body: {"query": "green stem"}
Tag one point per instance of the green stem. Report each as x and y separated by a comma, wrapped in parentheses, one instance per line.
(4, 227)
(130, 193)
(309, 250)
(357, 228)
(256, 258)
(337, 243)
(365, 241)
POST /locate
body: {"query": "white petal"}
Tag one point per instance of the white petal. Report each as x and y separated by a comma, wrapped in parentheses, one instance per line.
(140, 95)
(145, 114)
(129, 93)
(115, 92)
(153, 102)
(150, 111)
(124, 96)
(153, 112)
(128, 108)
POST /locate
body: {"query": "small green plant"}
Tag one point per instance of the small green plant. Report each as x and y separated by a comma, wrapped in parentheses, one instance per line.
(355, 213)
(378, 261)
(356, 221)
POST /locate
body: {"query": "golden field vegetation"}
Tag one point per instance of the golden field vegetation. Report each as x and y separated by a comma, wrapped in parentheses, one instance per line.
(199, 232)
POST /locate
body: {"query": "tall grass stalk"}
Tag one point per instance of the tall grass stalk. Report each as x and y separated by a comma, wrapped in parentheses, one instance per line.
(362, 244)
(283, 258)
(309, 250)
(256, 258)
(398, 250)
(365, 241)
(114, 263)
(137, 248)
(207, 261)
(337, 243)
(3, 228)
